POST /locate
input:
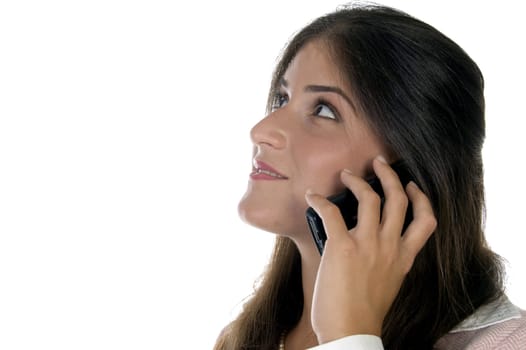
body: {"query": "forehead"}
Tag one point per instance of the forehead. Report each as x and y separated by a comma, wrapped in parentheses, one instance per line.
(313, 64)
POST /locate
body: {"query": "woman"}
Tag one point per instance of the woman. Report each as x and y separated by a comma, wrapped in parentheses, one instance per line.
(353, 92)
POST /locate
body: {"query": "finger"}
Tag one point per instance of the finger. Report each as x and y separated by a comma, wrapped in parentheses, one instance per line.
(396, 201)
(330, 214)
(368, 215)
(423, 225)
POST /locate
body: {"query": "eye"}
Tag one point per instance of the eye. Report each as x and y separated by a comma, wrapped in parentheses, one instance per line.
(279, 101)
(325, 110)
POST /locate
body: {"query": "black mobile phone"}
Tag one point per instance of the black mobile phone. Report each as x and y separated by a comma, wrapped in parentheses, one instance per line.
(348, 205)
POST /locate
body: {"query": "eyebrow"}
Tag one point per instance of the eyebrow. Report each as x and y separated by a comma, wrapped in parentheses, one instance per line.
(323, 88)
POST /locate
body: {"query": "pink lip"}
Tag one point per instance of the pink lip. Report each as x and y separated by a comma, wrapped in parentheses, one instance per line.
(263, 171)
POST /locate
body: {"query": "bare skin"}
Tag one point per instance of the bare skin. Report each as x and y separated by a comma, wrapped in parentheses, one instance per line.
(362, 270)
(319, 144)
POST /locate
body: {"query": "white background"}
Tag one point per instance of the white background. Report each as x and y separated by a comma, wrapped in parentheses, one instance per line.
(124, 149)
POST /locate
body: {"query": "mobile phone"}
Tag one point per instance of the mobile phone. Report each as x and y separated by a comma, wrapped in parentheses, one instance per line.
(348, 205)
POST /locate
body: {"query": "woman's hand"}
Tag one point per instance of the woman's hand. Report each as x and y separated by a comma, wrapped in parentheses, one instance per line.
(362, 270)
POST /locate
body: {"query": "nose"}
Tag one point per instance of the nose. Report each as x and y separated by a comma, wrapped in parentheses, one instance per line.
(270, 131)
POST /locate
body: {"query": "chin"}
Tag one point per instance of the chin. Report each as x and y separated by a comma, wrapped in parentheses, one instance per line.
(257, 216)
(273, 218)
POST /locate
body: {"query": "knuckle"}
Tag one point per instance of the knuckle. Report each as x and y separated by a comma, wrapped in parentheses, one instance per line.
(400, 200)
(429, 221)
(390, 255)
(372, 198)
(330, 210)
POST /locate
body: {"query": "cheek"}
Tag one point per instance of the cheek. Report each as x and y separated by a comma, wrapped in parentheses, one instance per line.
(321, 168)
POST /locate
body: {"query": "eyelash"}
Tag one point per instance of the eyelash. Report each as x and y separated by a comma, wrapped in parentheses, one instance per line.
(280, 98)
(321, 101)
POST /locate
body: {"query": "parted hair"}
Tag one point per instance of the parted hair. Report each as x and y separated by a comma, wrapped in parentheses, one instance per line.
(422, 95)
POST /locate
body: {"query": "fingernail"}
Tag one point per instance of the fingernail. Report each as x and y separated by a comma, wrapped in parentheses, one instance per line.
(309, 192)
(412, 183)
(381, 159)
(347, 171)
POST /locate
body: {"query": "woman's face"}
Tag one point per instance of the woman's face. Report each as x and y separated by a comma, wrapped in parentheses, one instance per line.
(311, 135)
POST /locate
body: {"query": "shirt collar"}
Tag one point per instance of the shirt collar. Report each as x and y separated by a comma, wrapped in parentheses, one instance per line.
(497, 311)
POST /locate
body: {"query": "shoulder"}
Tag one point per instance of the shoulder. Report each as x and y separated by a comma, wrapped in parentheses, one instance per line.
(498, 325)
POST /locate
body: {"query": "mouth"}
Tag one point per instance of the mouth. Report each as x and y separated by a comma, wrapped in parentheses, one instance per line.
(263, 171)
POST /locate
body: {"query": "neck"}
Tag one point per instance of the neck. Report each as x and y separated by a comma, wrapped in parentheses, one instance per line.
(302, 335)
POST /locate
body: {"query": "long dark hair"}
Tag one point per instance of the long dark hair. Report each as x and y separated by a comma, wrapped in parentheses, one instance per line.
(423, 96)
